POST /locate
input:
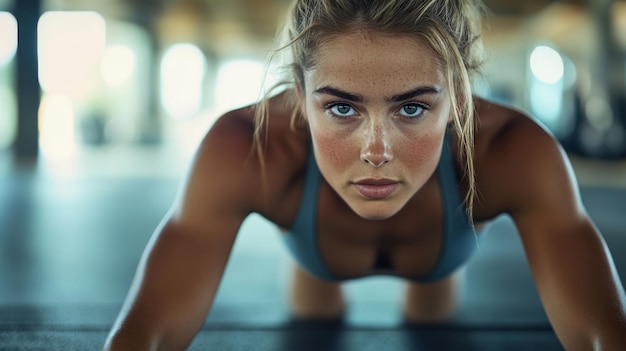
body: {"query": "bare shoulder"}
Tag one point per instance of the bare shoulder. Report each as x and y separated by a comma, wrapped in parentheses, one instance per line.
(520, 166)
(227, 171)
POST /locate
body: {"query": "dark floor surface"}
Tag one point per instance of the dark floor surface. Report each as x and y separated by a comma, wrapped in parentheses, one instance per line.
(69, 247)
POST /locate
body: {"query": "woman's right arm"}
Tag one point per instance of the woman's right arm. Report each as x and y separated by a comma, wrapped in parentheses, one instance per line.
(181, 268)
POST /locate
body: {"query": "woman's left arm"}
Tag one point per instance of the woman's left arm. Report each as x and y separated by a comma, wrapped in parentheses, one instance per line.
(571, 264)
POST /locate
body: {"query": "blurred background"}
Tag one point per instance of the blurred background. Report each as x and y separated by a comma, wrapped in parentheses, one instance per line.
(96, 77)
(102, 104)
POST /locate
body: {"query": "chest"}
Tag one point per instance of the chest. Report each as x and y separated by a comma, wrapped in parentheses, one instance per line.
(407, 244)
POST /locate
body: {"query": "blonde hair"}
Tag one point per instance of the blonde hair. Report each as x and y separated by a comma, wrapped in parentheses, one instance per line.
(451, 28)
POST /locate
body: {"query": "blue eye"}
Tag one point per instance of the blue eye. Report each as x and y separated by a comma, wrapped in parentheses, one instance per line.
(412, 110)
(341, 110)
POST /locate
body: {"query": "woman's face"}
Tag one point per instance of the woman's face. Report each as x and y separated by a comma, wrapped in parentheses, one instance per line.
(377, 109)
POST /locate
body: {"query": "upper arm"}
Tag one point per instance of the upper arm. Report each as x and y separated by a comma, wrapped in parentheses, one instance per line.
(570, 262)
(183, 264)
(223, 182)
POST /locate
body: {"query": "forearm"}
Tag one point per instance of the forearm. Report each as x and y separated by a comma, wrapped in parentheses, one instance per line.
(171, 295)
(611, 339)
(579, 286)
(128, 339)
(133, 337)
(145, 328)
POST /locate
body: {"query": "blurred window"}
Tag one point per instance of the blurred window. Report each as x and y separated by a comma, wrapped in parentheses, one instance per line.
(95, 91)
(183, 69)
(118, 65)
(8, 46)
(70, 46)
(229, 90)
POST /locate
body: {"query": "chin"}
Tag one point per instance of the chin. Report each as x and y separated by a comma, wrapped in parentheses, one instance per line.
(375, 211)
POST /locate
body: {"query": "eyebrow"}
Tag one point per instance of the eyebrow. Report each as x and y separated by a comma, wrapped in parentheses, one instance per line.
(327, 90)
(422, 90)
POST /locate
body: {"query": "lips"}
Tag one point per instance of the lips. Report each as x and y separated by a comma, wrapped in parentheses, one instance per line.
(376, 189)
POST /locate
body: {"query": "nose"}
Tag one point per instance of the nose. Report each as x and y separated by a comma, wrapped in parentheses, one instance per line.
(376, 149)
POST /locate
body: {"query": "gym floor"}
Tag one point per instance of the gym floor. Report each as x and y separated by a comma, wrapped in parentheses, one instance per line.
(71, 236)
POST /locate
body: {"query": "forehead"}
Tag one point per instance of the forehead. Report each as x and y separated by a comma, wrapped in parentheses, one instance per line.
(366, 59)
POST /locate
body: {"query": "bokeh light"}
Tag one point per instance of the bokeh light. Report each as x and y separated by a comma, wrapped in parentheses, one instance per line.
(57, 137)
(70, 47)
(8, 37)
(183, 68)
(546, 64)
(118, 65)
(230, 92)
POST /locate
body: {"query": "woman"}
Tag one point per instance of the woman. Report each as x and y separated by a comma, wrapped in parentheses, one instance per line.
(378, 159)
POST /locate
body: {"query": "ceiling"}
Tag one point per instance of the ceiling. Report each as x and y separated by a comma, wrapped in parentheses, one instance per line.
(250, 25)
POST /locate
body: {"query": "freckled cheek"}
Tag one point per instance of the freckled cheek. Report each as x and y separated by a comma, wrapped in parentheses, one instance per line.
(334, 151)
(419, 154)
